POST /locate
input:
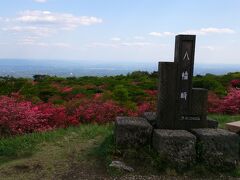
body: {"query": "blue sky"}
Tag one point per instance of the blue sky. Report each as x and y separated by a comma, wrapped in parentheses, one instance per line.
(118, 31)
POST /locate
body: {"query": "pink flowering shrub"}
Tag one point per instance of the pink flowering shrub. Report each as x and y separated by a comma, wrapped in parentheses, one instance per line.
(151, 92)
(24, 117)
(97, 111)
(19, 117)
(79, 96)
(66, 89)
(230, 104)
(235, 83)
(144, 107)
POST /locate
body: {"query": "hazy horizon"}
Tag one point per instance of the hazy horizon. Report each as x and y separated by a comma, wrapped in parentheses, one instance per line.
(66, 68)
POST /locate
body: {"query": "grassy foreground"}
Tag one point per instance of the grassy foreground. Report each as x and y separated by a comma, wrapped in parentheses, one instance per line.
(85, 152)
(60, 154)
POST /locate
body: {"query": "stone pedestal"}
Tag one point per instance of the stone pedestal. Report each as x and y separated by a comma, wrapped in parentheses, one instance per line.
(177, 146)
(217, 147)
(132, 132)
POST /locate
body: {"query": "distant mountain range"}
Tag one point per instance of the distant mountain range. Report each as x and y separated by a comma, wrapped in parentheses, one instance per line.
(28, 68)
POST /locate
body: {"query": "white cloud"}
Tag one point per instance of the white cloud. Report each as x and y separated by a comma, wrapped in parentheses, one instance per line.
(135, 44)
(61, 44)
(210, 30)
(45, 23)
(33, 42)
(115, 39)
(40, 1)
(168, 33)
(38, 31)
(28, 40)
(161, 34)
(101, 44)
(210, 48)
(63, 20)
(119, 45)
(202, 31)
(155, 34)
(139, 37)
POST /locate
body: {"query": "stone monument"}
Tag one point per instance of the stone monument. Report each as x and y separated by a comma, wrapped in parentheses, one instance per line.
(179, 105)
(179, 131)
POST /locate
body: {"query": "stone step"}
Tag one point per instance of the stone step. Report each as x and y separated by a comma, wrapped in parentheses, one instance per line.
(233, 126)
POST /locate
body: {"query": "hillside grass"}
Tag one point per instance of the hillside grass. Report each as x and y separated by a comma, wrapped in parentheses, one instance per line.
(85, 152)
(223, 119)
(51, 154)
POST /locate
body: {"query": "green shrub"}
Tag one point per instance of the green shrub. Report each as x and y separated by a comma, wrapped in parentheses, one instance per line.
(120, 93)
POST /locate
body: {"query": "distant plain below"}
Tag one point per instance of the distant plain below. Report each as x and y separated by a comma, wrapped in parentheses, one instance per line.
(64, 68)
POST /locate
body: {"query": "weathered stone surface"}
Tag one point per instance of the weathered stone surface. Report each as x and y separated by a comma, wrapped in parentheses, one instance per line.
(212, 123)
(166, 104)
(180, 106)
(197, 115)
(151, 117)
(132, 131)
(217, 147)
(199, 101)
(177, 146)
(233, 126)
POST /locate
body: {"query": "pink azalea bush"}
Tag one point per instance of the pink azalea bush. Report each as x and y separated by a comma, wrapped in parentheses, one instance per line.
(66, 89)
(230, 104)
(235, 83)
(19, 117)
(25, 117)
(96, 111)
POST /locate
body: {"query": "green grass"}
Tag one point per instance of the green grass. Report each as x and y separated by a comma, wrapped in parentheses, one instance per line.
(23, 146)
(66, 152)
(223, 119)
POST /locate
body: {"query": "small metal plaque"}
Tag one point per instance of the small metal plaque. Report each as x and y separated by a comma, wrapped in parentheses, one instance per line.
(190, 118)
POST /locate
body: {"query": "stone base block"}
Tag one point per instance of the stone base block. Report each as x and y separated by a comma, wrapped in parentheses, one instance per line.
(151, 117)
(132, 132)
(217, 147)
(177, 146)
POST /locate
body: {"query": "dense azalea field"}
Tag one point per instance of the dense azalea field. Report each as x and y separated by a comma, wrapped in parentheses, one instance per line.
(45, 103)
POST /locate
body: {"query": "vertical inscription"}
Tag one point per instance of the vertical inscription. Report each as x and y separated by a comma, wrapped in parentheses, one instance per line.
(186, 71)
(184, 56)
